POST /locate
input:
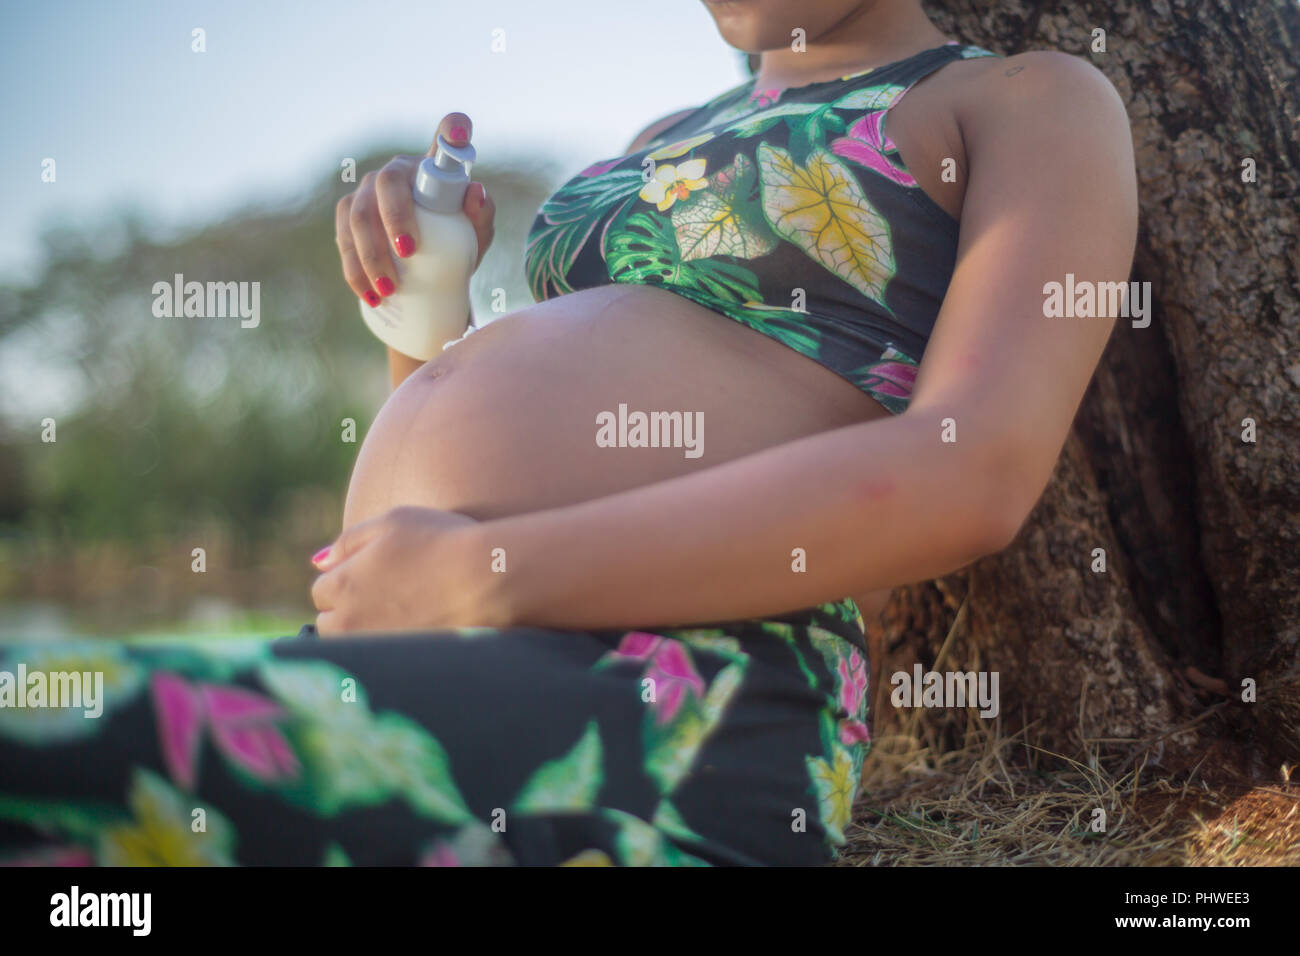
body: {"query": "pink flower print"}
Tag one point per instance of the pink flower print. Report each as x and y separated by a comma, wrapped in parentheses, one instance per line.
(54, 856)
(598, 169)
(867, 145)
(853, 682)
(674, 677)
(638, 644)
(241, 724)
(762, 98)
(671, 669)
(440, 855)
(893, 378)
(854, 732)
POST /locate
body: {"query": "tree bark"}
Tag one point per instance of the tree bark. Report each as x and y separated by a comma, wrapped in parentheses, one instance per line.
(1200, 528)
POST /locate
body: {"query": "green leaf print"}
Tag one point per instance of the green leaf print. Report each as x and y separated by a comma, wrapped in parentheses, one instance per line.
(786, 633)
(78, 821)
(570, 216)
(352, 756)
(724, 219)
(785, 325)
(570, 782)
(768, 118)
(671, 748)
(808, 135)
(870, 98)
(162, 832)
(642, 249)
(335, 855)
(820, 207)
(669, 820)
(833, 781)
(640, 844)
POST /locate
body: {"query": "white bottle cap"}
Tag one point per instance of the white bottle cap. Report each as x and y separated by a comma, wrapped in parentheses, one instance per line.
(442, 178)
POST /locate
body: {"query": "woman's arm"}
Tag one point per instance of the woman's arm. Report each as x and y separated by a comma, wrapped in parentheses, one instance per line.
(400, 366)
(1052, 192)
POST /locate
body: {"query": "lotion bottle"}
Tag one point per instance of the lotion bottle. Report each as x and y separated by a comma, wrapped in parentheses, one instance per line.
(430, 307)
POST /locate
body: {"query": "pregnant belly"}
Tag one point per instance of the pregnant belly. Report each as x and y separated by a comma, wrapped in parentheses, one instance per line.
(539, 409)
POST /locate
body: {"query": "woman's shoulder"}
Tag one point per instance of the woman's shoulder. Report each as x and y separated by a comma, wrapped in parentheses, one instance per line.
(1020, 89)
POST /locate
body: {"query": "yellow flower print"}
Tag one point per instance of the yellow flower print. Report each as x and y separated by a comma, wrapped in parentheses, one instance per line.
(679, 148)
(163, 832)
(589, 858)
(672, 183)
(835, 786)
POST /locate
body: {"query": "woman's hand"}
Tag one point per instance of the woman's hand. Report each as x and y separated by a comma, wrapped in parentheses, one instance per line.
(379, 215)
(409, 569)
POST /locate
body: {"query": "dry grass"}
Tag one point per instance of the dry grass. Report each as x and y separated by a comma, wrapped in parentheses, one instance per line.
(1005, 801)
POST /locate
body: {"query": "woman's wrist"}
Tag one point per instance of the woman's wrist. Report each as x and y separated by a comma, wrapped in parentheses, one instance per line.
(531, 578)
(493, 582)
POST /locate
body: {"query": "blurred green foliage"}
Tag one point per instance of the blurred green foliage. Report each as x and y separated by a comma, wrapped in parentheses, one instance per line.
(168, 425)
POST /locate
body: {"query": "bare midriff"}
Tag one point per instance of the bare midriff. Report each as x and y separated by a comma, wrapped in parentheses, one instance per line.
(506, 421)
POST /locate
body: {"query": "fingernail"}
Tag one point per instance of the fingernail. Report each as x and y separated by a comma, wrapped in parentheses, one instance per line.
(384, 285)
(458, 133)
(405, 245)
(320, 555)
(372, 299)
(482, 193)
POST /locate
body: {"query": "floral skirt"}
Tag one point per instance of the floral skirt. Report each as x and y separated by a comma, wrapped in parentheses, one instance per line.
(737, 743)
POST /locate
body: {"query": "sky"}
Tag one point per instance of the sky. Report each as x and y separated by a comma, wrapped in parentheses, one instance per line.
(113, 92)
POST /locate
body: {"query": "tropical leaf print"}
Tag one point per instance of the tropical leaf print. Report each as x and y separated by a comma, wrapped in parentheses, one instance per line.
(569, 218)
(866, 144)
(682, 709)
(821, 208)
(870, 98)
(570, 782)
(352, 756)
(678, 147)
(723, 220)
(783, 324)
(671, 748)
(642, 250)
(161, 833)
(889, 380)
(770, 117)
(834, 782)
(640, 844)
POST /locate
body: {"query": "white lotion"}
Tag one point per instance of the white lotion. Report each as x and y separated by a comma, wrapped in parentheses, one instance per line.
(430, 307)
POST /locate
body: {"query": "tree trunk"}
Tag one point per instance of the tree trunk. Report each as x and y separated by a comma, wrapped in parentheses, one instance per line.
(1199, 527)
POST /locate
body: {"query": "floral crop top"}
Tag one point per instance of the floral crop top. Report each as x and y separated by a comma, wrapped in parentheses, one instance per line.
(786, 210)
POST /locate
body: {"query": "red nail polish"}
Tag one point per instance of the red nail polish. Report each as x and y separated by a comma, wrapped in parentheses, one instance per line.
(371, 297)
(458, 133)
(384, 285)
(320, 555)
(405, 245)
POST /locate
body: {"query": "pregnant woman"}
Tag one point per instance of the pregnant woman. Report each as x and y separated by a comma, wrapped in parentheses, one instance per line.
(591, 602)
